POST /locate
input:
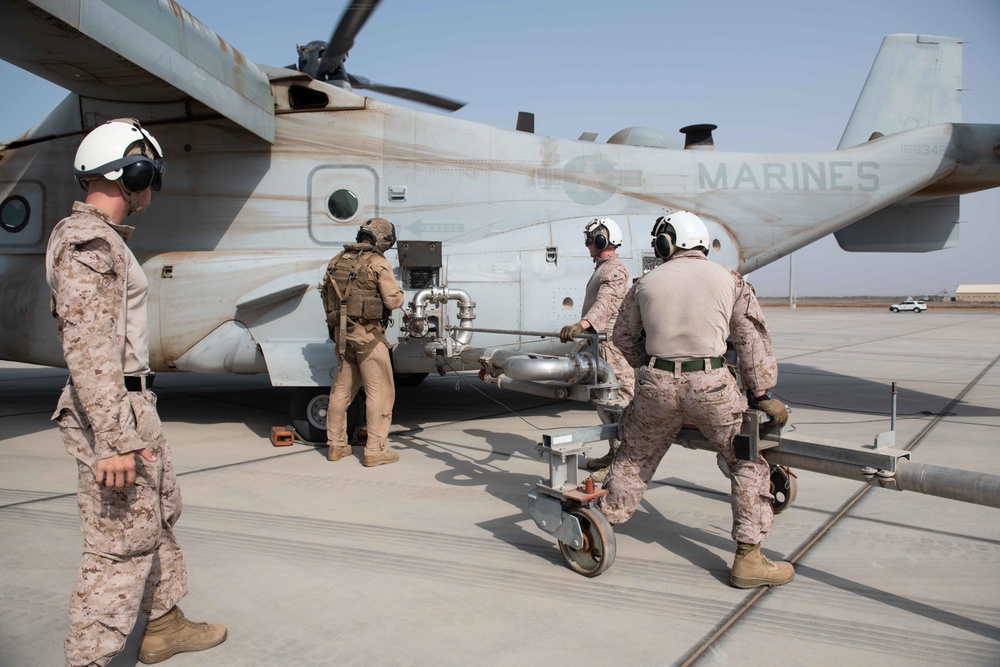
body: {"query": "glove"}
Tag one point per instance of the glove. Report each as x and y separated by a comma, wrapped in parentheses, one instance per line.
(567, 332)
(775, 408)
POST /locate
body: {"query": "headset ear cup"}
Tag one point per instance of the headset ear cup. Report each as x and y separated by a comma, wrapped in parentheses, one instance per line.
(600, 242)
(663, 246)
(138, 176)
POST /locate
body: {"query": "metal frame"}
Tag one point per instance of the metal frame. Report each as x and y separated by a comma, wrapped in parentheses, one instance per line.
(547, 501)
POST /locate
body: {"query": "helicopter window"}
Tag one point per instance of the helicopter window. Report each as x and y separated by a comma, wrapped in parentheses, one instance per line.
(301, 97)
(14, 213)
(342, 204)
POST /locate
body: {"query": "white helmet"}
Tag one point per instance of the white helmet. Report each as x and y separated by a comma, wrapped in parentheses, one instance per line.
(679, 230)
(603, 232)
(121, 151)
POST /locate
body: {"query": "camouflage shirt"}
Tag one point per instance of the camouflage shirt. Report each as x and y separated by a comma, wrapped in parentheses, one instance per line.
(605, 291)
(87, 268)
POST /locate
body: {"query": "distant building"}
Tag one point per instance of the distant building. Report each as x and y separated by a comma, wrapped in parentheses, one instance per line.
(978, 293)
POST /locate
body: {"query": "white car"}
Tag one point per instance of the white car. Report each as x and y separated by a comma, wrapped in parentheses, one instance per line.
(910, 304)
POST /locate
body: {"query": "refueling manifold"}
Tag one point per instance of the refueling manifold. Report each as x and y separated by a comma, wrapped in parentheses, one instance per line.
(418, 324)
(579, 374)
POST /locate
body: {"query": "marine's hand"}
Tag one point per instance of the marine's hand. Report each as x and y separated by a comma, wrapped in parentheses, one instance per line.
(118, 472)
(776, 409)
(567, 332)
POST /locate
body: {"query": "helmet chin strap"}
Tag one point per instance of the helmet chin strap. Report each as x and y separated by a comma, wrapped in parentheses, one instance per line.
(132, 197)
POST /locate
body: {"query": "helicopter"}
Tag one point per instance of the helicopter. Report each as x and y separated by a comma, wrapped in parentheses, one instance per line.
(272, 169)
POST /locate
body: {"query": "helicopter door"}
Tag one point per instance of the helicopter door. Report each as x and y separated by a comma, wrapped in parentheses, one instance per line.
(341, 197)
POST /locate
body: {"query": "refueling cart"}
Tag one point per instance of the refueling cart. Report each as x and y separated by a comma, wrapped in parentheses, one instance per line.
(564, 508)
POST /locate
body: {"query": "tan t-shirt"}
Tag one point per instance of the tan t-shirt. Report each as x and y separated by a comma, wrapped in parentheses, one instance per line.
(685, 305)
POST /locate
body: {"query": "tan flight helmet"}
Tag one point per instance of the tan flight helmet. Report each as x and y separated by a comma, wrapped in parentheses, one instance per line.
(379, 231)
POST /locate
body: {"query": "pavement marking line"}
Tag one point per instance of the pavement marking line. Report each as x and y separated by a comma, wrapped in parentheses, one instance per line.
(565, 589)
(726, 624)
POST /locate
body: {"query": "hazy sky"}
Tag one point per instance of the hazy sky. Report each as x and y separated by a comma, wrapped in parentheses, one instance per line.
(774, 76)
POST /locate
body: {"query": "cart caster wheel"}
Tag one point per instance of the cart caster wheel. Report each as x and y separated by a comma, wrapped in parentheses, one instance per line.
(598, 551)
(783, 487)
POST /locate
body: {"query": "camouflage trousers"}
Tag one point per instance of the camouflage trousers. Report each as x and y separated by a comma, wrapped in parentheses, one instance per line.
(664, 401)
(131, 560)
(375, 374)
(624, 372)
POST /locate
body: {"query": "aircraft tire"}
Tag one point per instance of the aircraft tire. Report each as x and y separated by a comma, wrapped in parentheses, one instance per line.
(307, 412)
(408, 379)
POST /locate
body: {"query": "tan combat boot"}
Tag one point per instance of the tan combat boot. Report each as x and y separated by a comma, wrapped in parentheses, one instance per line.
(172, 633)
(600, 476)
(379, 457)
(337, 452)
(752, 569)
(603, 462)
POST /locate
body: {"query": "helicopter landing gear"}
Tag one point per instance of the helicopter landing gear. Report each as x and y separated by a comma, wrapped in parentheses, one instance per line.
(307, 412)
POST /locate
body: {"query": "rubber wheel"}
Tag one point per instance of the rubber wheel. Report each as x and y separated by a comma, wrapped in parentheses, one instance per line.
(598, 552)
(916, 310)
(784, 487)
(307, 412)
(895, 310)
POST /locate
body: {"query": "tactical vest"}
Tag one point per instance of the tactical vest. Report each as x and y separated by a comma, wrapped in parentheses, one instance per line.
(348, 273)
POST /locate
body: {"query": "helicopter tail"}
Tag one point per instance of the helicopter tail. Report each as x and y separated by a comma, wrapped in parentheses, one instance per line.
(916, 81)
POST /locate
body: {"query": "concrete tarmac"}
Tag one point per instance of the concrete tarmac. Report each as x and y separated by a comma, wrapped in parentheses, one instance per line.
(435, 561)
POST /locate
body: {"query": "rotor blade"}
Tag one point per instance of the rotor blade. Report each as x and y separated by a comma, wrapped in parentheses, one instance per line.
(342, 40)
(362, 83)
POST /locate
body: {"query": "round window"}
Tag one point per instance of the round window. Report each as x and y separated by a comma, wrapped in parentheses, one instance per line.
(342, 204)
(14, 213)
